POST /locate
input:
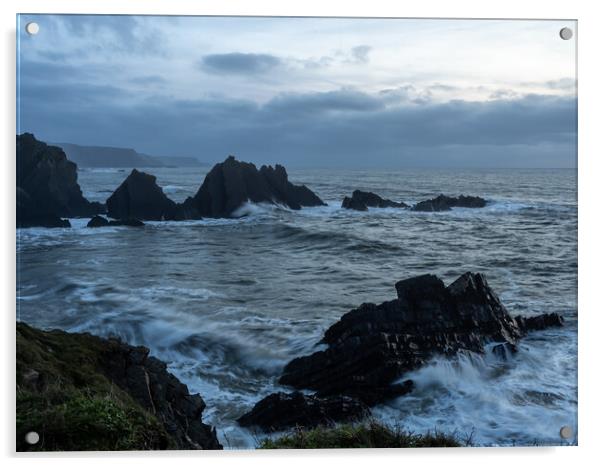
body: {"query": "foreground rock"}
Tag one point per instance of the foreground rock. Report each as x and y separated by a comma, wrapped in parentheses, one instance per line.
(140, 197)
(47, 187)
(373, 346)
(442, 203)
(361, 200)
(82, 392)
(281, 411)
(98, 222)
(231, 183)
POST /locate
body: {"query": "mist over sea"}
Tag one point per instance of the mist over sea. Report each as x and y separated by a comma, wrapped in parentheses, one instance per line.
(228, 302)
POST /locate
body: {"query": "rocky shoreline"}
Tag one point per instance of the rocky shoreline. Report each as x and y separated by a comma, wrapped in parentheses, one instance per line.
(48, 192)
(82, 392)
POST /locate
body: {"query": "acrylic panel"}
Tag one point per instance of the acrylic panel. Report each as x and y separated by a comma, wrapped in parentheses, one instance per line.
(279, 232)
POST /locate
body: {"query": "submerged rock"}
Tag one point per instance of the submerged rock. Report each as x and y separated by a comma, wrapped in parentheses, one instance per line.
(442, 203)
(82, 392)
(140, 197)
(47, 187)
(361, 200)
(281, 411)
(231, 183)
(98, 222)
(373, 346)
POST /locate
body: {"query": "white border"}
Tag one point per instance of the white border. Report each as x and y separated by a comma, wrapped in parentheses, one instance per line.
(590, 80)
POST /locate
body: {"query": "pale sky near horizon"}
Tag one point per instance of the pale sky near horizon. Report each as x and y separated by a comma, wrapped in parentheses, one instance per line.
(305, 91)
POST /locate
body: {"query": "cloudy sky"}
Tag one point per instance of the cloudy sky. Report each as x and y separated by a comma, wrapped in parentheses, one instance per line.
(305, 91)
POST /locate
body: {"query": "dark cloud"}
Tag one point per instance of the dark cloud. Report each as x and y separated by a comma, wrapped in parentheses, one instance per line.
(345, 127)
(239, 63)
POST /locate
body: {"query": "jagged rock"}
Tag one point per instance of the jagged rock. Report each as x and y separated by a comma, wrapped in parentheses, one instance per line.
(281, 411)
(442, 203)
(98, 222)
(361, 200)
(232, 183)
(71, 373)
(140, 197)
(47, 187)
(372, 346)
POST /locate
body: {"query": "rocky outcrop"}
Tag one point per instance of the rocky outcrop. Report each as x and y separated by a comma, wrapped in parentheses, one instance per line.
(98, 222)
(232, 183)
(361, 200)
(281, 411)
(47, 187)
(442, 203)
(370, 348)
(82, 392)
(140, 197)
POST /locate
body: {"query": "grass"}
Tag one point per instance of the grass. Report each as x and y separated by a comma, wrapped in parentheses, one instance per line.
(365, 435)
(63, 395)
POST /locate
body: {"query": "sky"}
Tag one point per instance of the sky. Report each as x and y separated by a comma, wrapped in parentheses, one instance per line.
(304, 92)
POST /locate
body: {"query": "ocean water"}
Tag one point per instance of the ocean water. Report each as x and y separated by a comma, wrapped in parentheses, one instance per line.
(227, 303)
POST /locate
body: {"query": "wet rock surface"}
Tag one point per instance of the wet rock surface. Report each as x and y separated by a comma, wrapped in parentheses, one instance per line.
(372, 347)
(443, 203)
(361, 200)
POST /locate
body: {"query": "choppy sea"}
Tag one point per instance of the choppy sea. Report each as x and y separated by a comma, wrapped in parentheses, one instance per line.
(227, 303)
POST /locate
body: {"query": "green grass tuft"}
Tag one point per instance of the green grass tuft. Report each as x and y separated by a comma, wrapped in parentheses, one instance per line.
(366, 435)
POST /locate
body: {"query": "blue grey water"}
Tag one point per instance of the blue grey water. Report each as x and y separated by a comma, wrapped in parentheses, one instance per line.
(226, 303)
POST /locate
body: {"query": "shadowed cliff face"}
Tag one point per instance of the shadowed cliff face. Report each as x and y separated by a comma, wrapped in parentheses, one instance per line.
(47, 187)
(81, 392)
(232, 183)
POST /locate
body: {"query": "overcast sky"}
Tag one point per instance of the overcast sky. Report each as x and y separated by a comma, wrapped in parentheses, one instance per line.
(305, 91)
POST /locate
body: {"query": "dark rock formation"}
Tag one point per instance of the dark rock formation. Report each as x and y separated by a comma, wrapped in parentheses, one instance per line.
(361, 200)
(82, 392)
(540, 322)
(442, 202)
(281, 411)
(373, 346)
(47, 186)
(140, 197)
(98, 221)
(232, 183)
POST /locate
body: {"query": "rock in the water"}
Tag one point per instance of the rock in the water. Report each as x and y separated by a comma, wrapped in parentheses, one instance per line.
(231, 183)
(140, 197)
(98, 222)
(361, 200)
(47, 187)
(106, 386)
(281, 411)
(442, 203)
(371, 347)
(540, 322)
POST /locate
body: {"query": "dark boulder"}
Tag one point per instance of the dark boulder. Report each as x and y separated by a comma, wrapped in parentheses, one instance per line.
(442, 203)
(281, 411)
(97, 221)
(140, 197)
(361, 200)
(47, 187)
(232, 183)
(540, 322)
(373, 346)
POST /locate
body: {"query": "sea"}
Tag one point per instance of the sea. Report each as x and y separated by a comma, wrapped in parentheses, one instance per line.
(226, 303)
